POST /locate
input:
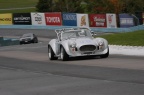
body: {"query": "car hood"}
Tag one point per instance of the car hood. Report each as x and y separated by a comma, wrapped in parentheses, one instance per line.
(25, 38)
(83, 41)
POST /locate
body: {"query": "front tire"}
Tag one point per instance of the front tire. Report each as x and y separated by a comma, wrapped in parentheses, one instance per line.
(36, 40)
(51, 54)
(21, 43)
(63, 55)
(105, 55)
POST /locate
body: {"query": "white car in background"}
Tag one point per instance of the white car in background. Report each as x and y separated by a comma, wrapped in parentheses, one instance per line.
(74, 42)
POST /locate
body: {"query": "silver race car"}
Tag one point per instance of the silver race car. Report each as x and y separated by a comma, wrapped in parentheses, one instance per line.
(72, 42)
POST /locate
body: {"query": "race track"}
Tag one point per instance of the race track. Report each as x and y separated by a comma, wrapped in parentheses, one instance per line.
(26, 70)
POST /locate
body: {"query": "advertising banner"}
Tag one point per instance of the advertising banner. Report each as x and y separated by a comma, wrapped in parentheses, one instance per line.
(22, 19)
(5, 19)
(111, 20)
(126, 20)
(53, 18)
(82, 20)
(69, 19)
(97, 20)
(38, 19)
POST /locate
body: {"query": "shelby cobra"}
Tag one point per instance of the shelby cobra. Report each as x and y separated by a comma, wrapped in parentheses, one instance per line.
(76, 42)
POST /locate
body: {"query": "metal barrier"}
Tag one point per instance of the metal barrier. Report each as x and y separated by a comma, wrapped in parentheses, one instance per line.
(130, 29)
(8, 41)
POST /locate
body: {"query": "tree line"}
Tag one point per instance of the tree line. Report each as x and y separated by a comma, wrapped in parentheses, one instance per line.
(91, 6)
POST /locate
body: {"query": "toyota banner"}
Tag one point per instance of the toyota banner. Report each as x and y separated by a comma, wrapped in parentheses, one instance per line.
(53, 18)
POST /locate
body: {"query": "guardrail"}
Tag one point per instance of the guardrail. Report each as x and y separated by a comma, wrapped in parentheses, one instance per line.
(130, 29)
(8, 41)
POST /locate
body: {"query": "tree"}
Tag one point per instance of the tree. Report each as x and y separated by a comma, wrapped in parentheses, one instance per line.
(114, 6)
(59, 6)
(118, 6)
(45, 6)
(132, 6)
(91, 6)
(99, 6)
(72, 6)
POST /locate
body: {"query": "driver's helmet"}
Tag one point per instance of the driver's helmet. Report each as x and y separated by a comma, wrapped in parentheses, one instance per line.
(82, 33)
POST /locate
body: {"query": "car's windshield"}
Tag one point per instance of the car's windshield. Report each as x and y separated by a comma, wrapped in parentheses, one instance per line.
(27, 35)
(76, 33)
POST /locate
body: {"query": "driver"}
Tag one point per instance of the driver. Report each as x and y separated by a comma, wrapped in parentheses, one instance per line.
(82, 33)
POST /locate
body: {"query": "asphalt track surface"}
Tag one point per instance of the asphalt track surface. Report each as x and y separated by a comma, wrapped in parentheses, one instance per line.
(26, 70)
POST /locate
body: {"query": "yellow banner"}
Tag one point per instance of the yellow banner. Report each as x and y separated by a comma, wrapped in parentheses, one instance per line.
(5, 19)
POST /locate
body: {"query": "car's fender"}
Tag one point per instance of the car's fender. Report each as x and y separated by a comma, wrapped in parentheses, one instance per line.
(54, 46)
(102, 39)
(65, 45)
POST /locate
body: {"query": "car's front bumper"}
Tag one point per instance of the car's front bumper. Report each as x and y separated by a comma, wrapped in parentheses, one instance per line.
(74, 53)
(26, 41)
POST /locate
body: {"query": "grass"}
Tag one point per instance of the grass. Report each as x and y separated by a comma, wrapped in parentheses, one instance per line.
(7, 4)
(130, 38)
(19, 10)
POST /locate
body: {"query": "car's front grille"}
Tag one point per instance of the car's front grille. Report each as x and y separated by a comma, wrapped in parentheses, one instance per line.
(87, 48)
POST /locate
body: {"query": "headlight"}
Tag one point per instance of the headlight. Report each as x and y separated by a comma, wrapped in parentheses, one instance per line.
(100, 43)
(31, 38)
(72, 44)
(20, 39)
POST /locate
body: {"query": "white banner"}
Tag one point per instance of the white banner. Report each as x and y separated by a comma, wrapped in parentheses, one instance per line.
(111, 21)
(38, 19)
(82, 20)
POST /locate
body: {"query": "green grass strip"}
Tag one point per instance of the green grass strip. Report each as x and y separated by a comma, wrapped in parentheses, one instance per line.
(19, 10)
(4, 4)
(129, 38)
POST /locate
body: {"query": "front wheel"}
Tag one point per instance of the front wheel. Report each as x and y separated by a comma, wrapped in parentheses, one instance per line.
(63, 55)
(51, 54)
(105, 55)
(21, 43)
